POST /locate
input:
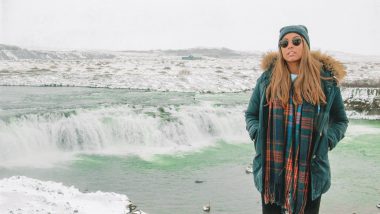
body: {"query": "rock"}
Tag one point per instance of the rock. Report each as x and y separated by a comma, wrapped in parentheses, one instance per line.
(249, 169)
(207, 207)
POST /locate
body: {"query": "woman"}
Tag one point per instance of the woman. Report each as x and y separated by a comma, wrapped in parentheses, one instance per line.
(295, 116)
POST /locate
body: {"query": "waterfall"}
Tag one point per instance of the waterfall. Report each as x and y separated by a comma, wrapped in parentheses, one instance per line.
(118, 130)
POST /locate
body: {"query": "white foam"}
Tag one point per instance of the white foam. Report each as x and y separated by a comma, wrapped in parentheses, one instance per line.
(23, 195)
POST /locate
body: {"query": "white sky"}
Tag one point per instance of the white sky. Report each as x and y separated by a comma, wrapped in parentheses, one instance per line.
(341, 25)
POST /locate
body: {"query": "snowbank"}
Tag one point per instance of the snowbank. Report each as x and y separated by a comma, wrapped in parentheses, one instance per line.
(19, 194)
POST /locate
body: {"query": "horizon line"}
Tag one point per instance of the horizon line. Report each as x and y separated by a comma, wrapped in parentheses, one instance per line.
(172, 49)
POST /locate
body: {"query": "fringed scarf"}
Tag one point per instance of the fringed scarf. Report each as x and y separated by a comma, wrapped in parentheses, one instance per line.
(288, 147)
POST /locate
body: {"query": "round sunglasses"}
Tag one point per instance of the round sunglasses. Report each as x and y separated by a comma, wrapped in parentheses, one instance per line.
(284, 43)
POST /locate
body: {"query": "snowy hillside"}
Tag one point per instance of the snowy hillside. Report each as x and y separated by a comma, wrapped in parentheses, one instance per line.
(8, 52)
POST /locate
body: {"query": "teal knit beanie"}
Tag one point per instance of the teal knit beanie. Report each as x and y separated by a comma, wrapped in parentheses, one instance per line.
(299, 29)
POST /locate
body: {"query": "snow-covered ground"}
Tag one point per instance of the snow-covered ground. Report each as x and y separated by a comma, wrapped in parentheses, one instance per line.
(137, 70)
(19, 195)
(160, 71)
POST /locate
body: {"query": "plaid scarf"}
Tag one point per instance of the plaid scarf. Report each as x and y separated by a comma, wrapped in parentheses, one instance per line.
(288, 147)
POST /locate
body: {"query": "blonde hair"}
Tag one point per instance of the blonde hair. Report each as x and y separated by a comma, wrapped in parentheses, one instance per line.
(307, 86)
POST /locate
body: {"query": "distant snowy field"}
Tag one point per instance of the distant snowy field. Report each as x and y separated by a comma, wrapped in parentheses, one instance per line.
(219, 70)
(149, 71)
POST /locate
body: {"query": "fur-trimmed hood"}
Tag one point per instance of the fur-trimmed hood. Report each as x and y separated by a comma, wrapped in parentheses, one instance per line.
(328, 63)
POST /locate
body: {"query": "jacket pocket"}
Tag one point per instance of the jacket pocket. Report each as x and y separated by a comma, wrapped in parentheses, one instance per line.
(320, 174)
(258, 171)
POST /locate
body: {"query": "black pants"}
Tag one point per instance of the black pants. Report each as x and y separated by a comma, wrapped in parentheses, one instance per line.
(312, 207)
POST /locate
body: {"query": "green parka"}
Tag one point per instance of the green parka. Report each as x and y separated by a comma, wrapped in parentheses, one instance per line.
(330, 127)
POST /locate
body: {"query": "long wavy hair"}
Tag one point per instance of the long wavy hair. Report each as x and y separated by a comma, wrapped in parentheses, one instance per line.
(307, 86)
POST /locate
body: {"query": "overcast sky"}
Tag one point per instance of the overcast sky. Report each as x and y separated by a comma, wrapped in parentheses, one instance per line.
(340, 25)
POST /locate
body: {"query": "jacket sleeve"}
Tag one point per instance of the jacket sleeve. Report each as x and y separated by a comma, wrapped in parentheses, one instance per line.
(338, 121)
(252, 112)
